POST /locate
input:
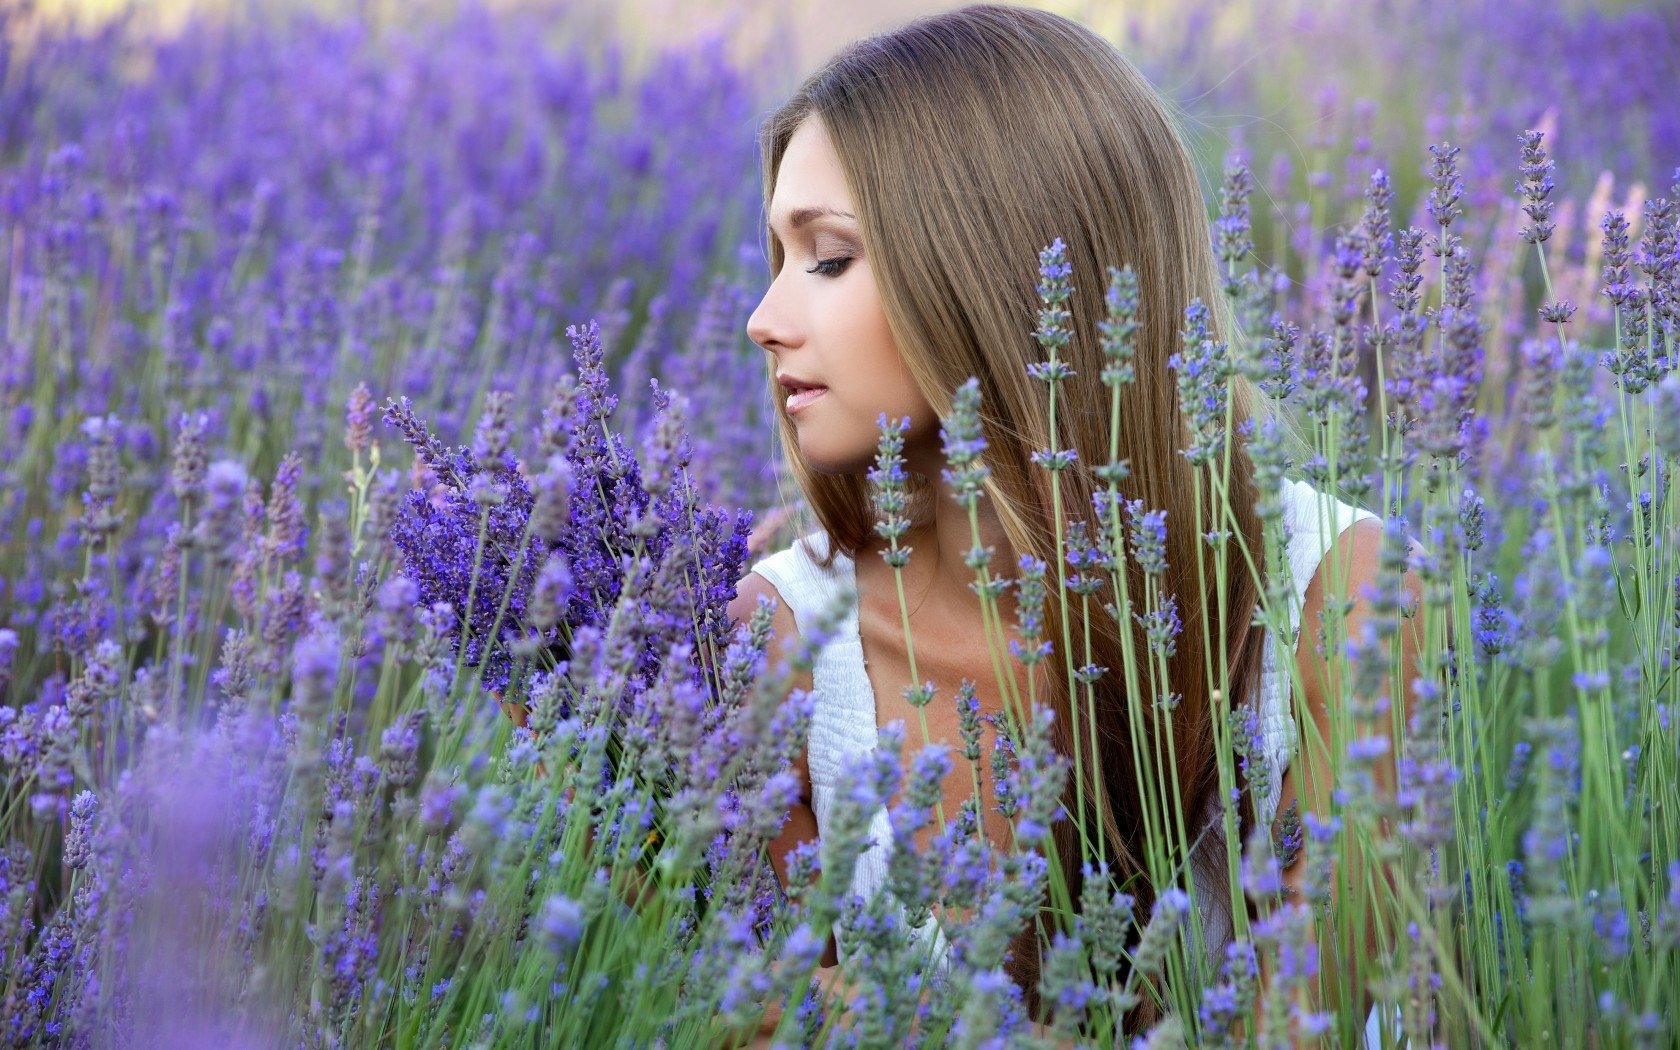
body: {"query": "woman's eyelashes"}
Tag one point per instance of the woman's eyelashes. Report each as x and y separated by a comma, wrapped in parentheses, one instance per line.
(831, 267)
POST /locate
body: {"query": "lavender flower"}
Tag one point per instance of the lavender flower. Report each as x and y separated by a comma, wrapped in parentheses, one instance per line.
(1037, 780)
(1031, 647)
(1148, 536)
(562, 924)
(1349, 261)
(1203, 368)
(287, 534)
(99, 684)
(1374, 224)
(1088, 562)
(358, 420)
(235, 673)
(441, 548)
(1118, 329)
(1620, 286)
(1444, 197)
(188, 472)
(1536, 186)
(1104, 920)
(55, 741)
(100, 517)
(78, 843)
(889, 480)
(219, 530)
(968, 718)
(1161, 932)
(1054, 292)
(315, 671)
(1232, 230)
(1162, 627)
(965, 445)
(8, 652)
(1408, 277)
(399, 745)
(1541, 359)
(1273, 366)
(1226, 1003)
(1549, 840)
(1066, 983)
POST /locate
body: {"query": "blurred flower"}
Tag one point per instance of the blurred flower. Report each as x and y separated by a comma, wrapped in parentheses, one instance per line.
(562, 924)
(100, 517)
(188, 472)
(358, 419)
(1161, 932)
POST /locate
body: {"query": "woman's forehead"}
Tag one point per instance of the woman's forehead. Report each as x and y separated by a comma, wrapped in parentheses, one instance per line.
(809, 180)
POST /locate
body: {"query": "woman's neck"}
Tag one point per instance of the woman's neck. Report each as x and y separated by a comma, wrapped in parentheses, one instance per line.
(938, 568)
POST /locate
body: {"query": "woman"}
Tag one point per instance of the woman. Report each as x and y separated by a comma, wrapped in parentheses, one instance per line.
(909, 185)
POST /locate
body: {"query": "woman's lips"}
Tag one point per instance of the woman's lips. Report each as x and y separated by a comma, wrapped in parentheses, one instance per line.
(797, 401)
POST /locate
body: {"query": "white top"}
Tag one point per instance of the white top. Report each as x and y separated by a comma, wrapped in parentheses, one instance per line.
(844, 722)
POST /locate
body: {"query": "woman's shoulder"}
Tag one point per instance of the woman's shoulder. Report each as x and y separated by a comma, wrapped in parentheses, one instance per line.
(803, 558)
(798, 576)
(1315, 518)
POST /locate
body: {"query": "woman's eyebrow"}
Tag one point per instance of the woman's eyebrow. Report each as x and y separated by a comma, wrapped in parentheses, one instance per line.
(800, 216)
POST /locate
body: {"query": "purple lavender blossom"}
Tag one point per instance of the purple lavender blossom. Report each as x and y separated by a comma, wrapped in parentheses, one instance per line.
(965, 444)
(100, 516)
(1053, 333)
(1148, 536)
(1118, 329)
(889, 489)
(1448, 188)
(1203, 368)
(1536, 187)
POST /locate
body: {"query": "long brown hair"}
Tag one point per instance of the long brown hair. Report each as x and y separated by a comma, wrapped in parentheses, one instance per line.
(969, 141)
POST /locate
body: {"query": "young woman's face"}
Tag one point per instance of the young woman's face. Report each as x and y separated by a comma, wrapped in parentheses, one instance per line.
(822, 319)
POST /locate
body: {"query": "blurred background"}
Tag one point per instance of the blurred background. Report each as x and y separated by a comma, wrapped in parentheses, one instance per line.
(1397, 52)
(284, 199)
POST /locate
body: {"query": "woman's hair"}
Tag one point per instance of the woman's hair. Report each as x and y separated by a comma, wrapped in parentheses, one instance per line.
(970, 140)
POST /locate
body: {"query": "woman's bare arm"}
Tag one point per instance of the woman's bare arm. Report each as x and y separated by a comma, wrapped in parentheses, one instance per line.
(801, 823)
(1358, 550)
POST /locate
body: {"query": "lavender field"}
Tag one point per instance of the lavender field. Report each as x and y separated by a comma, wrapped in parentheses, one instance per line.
(384, 446)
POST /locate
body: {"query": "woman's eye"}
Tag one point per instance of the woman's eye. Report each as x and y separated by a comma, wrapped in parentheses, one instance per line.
(831, 267)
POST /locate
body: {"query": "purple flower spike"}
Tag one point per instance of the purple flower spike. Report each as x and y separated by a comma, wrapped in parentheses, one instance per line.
(1536, 186)
(358, 419)
(1374, 223)
(1448, 188)
(1203, 368)
(1054, 317)
(889, 489)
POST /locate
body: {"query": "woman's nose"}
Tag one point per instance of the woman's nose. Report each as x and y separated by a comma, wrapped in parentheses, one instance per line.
(769, 327)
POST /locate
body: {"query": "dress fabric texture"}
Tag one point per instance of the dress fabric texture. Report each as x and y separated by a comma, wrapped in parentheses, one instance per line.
(844, 726)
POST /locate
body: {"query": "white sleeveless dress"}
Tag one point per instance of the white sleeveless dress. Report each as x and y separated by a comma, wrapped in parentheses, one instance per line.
(844, 722)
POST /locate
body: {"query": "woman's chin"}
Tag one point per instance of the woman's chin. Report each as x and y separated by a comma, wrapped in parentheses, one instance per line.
(823, 458)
